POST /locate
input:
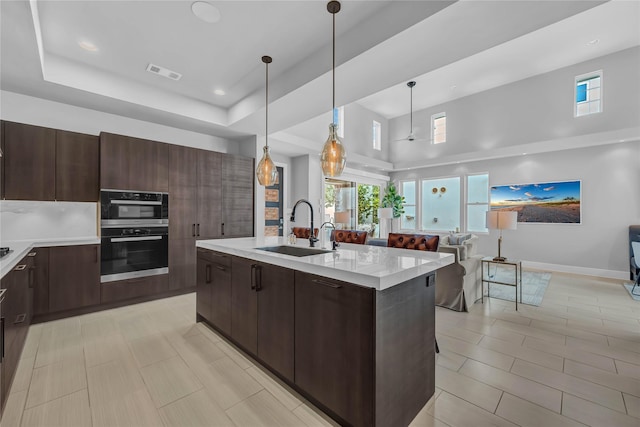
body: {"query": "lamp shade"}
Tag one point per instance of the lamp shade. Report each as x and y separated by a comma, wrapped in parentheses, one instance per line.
(502, 220)
(385, 213)
(343, 217)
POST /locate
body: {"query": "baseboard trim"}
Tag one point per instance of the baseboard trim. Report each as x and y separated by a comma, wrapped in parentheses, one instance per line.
(597, 272)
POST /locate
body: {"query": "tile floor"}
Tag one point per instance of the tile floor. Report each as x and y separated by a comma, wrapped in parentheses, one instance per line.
(573, 361)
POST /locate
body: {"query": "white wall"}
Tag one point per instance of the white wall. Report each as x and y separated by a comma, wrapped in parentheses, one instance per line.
(610, 175)
(536, 109)
(306, 183)
(41, 112)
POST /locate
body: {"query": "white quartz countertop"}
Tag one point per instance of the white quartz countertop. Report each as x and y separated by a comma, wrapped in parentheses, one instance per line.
(21, 248)
(371, 266)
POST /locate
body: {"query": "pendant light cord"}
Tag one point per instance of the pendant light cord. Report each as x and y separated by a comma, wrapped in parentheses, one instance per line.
(333, 111)
(266, 106)
(411, 110)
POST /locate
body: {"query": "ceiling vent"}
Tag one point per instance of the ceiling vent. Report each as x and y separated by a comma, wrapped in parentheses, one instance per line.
(164, 72)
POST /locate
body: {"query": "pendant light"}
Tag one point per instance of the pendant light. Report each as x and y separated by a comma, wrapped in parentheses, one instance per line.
(266, 171)
(333, 156)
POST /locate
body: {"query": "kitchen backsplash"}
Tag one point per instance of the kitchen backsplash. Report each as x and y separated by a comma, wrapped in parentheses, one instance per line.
(29, 220)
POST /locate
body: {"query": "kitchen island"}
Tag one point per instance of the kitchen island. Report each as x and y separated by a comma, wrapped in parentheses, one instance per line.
(352, 330)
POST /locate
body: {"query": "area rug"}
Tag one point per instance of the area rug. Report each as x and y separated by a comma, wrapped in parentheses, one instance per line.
(628, 287)
(534, 284)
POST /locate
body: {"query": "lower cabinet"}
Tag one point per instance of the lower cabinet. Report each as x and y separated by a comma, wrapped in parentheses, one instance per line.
(74, 277)
(262, 312)
(41, 281)
(122, 290)
(213, 287)
(15, 314)
(334, 345)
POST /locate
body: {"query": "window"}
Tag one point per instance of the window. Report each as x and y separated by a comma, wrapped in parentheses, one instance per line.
(441, 204)
(338, 118)
(408, 219)
(588, 94)
(346, 211)
(377, 139)
(439, 128)
(477, 202)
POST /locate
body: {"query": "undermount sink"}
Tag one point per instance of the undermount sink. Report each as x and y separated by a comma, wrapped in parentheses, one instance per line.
(294, 250)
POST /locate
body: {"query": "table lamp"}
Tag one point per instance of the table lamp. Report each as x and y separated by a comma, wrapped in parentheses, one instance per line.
(386, 214)
(343, 218)
(501, 220)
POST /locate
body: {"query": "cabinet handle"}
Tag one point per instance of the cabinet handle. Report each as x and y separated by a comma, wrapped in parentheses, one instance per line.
(198, 230)
(221, 268)
(20, 267)
(2, 332)
(223, 228)
(207, 275)
(323, 283)
(193, 230)
(31, 254)
(96, 254)
(253, 276)
(258, 278)
(20, 318)
(31, 276)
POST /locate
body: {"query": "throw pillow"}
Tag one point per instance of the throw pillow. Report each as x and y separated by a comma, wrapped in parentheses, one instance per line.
(457, 239)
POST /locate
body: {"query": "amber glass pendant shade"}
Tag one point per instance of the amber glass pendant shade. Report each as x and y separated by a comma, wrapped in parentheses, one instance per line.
(333, 156)
(266, 171)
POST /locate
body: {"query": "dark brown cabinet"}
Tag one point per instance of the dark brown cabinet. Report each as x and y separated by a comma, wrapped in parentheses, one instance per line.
(210, 190)
(47, 164)
(123, 290)
(334, 343)
(29, 162)
(77, 166)
(41, 281)
(238, 179)
(262, 318)
(213, 298)
(14, 324)
(74, 277)
(128, 163)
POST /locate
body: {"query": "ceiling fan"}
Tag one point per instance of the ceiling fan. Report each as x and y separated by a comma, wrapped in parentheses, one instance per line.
(411, 136)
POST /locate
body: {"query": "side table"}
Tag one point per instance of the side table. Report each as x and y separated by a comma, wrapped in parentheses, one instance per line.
(487, 262)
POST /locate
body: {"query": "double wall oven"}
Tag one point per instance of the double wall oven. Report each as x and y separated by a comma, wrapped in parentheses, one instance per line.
(134, 234)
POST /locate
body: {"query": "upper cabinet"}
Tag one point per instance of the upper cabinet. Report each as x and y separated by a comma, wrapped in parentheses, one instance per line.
(237, 196)
(77, 164)
(29, 154)
(47, 164)
(128, 163)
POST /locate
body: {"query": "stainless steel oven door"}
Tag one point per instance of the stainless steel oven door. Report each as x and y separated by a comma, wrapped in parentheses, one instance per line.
(133, 252)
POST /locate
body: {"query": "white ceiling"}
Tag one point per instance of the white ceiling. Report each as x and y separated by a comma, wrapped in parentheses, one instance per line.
(474, 45)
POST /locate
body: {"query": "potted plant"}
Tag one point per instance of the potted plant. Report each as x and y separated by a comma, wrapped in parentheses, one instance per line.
(392, 199)
(391, 204)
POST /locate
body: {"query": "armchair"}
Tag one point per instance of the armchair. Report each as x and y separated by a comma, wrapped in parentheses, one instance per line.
(458, 285)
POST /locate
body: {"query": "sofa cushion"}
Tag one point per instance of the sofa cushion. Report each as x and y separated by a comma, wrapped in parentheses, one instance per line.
(422, 242)
(458, 238)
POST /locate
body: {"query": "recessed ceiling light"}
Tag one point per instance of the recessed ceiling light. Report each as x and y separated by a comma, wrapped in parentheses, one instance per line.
(220, 92)
(205, 12)
(88, 46)
(593, 42)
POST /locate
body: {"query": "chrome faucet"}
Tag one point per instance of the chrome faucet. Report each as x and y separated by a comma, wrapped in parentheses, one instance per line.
(312, 238)
(334, 244)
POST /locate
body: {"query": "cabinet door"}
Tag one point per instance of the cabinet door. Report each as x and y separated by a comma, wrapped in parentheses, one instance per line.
(275, 286)
(74, 277)
(182, 263)
(237, 195)
(30, 162)
(244, 304)
(41, 282)
(183, 192)
(148, 165)
(114, 162)
(209, 218)
(221, 297)
(204, 284)
(334, 345)
(77, 166)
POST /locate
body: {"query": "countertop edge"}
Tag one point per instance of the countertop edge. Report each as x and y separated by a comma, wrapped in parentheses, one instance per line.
(22, 247)
(376, 281)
